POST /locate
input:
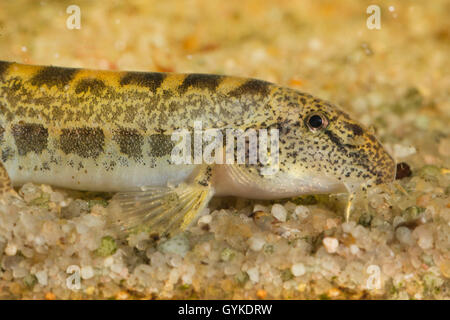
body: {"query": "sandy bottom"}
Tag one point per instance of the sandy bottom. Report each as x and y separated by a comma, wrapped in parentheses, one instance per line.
(54, 244)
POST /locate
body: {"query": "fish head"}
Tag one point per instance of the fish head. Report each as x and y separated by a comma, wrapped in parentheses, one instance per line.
(320, 142)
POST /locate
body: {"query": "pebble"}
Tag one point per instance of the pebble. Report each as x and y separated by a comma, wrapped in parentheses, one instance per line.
(108, 261)
(19, 272)
(253, 274)
(75, 209)
(42, 277)
(301, 212)
(205, 220)
(231, 269)
(401, 151)
(189, 273)
(92, 221)
(178, 245)
(30, 192)
(82, 228)
(331, 244)
(279, 212)
(334, 292)
(347, 227)
(354, 249)
(87, 272)
(424, 237)
(298, 269)
(404, 235)
(122, 295)
(261, 294)
(256, 243)
(50, 296)
(11, 249)
(56, 197)
(117, 268)
(157, 259)
(259, 207)
(175, 261)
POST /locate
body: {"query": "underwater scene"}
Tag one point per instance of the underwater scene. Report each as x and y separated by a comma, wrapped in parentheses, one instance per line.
(248, 150)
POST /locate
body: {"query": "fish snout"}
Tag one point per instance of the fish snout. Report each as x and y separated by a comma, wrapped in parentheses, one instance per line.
(380, 163)
(385, 168)
(375, 162)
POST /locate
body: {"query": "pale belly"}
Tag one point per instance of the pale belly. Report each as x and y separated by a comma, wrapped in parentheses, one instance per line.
(98, 179)
(135, 176)
(228, 183)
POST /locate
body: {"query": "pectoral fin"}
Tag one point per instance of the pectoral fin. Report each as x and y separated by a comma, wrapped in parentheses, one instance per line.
(6, 188)
(163, 211)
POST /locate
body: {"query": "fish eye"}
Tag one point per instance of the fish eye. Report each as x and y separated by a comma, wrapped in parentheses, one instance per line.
(316, 121)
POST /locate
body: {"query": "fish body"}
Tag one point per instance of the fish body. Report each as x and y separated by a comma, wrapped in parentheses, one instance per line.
(113, 131)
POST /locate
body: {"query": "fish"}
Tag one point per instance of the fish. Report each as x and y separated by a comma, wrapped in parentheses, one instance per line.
(116, 131)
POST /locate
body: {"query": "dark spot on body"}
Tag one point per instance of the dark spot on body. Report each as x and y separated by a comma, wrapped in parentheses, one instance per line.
(200, 81)
(30, 137)
(3, 68)
(252, 87)
(95, 86)
(203, 183)
(167, 94)
(343, 147)
(160, 145)
(109, 166)
(53, 76)
(336, 140)
(130, 142)
(151, 80)
(355, 128)
(45, 166)
(372, 138)
(85, 142)
(7, 154)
